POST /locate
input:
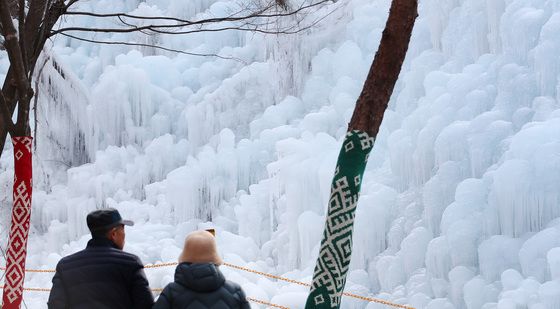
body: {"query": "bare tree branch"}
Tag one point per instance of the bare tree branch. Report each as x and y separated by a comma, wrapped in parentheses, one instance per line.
(14, 50)
(121, 15)
(260, 14)
(155, 29)
(51, 16)
(252, 29)
(37, 10)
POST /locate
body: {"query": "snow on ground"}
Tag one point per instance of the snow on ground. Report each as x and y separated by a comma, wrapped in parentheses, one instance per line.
(460, 203)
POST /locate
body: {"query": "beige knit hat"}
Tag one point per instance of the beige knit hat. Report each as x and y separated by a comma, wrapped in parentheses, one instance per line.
(200, 247)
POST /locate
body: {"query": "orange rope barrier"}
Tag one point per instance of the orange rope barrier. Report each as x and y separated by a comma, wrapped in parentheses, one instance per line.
(266, 303)
(266, 275)
(369, 299)
(35, 270)
(160, 265)
(377, 300)
(32, 289)
(159, 290)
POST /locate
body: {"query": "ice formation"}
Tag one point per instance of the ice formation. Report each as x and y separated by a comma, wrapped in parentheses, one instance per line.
(460, 200)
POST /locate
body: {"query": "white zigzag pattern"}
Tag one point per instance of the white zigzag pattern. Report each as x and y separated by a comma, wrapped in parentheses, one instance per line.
(330, 268)
(19, 230)
(27, 141)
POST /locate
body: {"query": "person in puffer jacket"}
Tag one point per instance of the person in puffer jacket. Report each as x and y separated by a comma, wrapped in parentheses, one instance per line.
(102, 276)
(199, 283)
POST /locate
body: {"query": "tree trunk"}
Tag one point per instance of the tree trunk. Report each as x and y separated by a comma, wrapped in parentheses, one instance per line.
(384, 71)
(17, 91)
(332, 265)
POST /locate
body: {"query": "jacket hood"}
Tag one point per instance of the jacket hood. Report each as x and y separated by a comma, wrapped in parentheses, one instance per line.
(203, 277)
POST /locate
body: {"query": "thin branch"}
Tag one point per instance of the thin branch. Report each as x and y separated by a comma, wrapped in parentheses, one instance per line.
(114, 30)
(154, 46)
(121, 19)
(182, 22)
(127, 16)
(203, 21)
(131, 25)
(143, 29)
(253, 29)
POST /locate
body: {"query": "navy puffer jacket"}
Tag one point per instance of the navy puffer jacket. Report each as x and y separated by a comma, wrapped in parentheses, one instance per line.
(100, 277)
(201, 286)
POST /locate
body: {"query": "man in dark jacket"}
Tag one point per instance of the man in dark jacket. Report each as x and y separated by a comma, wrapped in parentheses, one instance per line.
(199, 284)
(102, 276)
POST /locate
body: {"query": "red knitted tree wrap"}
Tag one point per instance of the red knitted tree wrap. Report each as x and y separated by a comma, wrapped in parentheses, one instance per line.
(21, 213)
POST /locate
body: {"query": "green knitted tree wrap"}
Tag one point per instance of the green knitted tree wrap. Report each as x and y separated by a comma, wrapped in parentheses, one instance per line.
(332, 265)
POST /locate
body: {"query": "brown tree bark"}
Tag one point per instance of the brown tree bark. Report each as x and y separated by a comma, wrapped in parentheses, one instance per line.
(384, 71)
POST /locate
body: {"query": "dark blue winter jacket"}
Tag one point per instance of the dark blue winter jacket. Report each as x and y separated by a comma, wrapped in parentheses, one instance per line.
(201, 286)
(100, 277)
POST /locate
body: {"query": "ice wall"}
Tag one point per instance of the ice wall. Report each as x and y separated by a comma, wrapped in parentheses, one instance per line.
(460, 201)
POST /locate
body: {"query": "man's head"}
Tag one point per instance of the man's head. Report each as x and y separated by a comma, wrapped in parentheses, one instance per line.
(200, 247)
(108, 223)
